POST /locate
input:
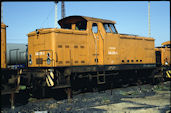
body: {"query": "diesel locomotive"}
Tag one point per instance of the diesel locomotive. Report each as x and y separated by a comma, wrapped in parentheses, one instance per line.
(163, 54)
(85, 49)
(163, 60)
(84, 52)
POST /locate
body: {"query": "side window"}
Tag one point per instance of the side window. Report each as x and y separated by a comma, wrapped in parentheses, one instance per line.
(94, 28)
(81, 25)
(66, 26)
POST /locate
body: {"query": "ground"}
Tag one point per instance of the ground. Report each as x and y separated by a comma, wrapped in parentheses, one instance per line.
(133, 99)
(152, 104)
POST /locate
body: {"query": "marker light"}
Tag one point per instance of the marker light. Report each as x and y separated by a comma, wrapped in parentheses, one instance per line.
(48, 58)
(30, 60)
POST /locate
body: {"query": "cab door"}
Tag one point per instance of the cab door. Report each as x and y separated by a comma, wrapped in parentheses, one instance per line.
(98, 44)
(111, 45)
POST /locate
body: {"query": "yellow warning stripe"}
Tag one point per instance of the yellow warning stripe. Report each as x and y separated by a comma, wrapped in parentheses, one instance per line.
(47, 82)
(49, 79)
(168, 73)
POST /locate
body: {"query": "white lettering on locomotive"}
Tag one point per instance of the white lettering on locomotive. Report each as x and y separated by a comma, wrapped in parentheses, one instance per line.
(112, 52)
(39, 53)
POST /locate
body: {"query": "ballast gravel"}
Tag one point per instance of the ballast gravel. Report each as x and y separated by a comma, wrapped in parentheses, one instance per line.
(134, 99)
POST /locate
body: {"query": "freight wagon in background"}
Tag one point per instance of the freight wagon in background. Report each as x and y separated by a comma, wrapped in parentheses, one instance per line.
(10, 78)
(13, 58)
(85, 51)
(3, 45)
(16, 55)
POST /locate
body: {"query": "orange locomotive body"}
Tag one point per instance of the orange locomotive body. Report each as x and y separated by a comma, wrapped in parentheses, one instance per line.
(86, 47)
(96, 42)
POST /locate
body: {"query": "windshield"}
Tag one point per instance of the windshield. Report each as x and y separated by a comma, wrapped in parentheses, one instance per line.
(109, 28)
(167, 46)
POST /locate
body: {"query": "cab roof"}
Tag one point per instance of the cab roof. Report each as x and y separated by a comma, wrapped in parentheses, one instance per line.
(74, 19)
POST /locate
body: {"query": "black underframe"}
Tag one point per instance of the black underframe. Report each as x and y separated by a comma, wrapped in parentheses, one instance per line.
(94, 68)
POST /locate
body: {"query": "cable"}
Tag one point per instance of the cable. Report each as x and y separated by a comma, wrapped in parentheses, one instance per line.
(42, 24)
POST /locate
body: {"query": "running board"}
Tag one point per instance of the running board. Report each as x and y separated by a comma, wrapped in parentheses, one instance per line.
(62, 86)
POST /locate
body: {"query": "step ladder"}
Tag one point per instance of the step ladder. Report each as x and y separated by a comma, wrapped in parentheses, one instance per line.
(101, 78)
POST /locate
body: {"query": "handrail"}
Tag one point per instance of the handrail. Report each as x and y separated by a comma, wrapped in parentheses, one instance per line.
(95, 45)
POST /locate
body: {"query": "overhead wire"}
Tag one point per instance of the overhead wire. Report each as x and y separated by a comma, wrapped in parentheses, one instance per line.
(46, 19)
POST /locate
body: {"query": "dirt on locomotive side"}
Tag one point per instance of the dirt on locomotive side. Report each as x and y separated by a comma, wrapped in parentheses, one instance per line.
(133, 99)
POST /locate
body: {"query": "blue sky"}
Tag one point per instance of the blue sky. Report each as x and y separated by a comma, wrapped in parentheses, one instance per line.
(131, 17)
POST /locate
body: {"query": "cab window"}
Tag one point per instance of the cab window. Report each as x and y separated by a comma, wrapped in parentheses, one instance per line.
(66, 26)
(81, 25)
(109, 28)
(166, 46)
(112, 28)
(94, 28)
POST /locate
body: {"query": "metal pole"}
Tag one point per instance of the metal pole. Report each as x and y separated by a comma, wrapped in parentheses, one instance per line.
(149, 26)
(63, 9)
(12, 100)
(1, 13)
(56, 14)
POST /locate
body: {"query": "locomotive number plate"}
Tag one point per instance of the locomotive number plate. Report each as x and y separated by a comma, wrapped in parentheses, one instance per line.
(39, 60)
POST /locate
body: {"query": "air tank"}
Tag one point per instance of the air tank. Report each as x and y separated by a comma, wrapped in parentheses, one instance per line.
(16, 54)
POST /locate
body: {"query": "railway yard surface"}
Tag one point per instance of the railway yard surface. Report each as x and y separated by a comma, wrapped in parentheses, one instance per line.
(132, 99)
